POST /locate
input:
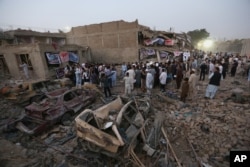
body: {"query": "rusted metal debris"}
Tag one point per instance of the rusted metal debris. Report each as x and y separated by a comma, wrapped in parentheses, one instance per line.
(114, 127)
(27, 92)
(94, 126)
(55, 106)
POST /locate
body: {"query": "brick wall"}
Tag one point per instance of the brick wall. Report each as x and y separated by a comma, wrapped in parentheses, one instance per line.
(111, 42)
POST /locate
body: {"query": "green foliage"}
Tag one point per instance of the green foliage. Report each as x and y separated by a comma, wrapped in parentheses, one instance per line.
(198, 35)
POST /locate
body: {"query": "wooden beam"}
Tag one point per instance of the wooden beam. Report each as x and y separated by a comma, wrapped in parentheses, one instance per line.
(196, 156)
(170, 146)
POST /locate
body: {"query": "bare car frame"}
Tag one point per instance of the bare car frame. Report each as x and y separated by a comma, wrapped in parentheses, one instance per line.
(27, 92)
(55, 106)
(114, 128)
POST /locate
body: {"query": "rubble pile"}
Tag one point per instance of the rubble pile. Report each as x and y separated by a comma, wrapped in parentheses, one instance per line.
(213, 127)
(194, 133)
(214, 130)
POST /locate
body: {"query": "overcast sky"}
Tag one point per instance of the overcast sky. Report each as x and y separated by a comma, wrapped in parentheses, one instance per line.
(228, 19)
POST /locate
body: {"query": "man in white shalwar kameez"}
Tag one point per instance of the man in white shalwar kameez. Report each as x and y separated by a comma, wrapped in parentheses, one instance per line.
(25, 70)
(149, 82)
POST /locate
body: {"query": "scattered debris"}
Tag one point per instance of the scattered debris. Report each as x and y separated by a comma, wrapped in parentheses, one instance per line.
(127, 131)
(26, 92)
(55, 106)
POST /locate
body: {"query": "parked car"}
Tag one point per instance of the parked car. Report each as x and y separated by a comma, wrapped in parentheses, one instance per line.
(27, 92)
(57, 106)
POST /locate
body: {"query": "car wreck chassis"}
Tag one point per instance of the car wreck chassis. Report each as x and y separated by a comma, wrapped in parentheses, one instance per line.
(115, 128)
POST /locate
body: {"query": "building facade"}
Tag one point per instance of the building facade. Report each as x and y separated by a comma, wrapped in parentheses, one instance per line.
(111, 42)
(36, 49)
(120, 41)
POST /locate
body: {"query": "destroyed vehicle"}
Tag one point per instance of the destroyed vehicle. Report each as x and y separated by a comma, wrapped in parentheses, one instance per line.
(55, 107)
(112, 128)
(27, 92)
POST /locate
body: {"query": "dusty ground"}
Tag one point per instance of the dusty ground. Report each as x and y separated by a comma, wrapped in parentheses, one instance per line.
(207, 128)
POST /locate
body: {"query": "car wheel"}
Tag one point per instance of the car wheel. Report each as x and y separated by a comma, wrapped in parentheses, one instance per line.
(66, 119)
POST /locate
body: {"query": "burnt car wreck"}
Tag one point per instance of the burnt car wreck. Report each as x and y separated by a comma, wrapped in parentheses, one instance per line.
(57, 106)
(116, 129)
(28, 92)
(127, 130)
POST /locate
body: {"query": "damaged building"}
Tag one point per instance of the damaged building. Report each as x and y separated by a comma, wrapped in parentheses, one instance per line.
(40, 51)
(121, 41)
(46, 54)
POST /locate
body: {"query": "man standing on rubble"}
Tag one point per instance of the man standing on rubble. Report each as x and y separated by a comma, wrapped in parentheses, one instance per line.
(234, 67)
(106, 85)
(211, 67)
(179, 76)
(192, 81)
(213, 84)
(78, 75)
(131, 72)
(124, 69)
(203, 70)
(128, 84)
(149, 82)
(163, 79)
(25, 69)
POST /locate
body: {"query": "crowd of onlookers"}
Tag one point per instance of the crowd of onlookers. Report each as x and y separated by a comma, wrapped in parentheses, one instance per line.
(182, 75)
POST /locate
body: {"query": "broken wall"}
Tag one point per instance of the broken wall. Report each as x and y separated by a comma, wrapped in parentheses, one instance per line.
(10, 53)
(110, 55)
(112, 42)
(37, 58)
(245, 51)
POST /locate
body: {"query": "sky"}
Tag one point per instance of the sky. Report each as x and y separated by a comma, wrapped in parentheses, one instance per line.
(223, 19)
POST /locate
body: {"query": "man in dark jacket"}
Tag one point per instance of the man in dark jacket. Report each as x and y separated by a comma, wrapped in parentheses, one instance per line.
(203, 71)
(234, 68)
(105, 81)
(224, 69)
(213, 84)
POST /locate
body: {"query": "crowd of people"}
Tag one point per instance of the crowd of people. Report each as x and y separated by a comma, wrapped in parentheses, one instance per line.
(99, 74)
(146, 76)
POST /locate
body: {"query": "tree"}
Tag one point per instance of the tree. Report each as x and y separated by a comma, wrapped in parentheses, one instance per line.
(197, 36)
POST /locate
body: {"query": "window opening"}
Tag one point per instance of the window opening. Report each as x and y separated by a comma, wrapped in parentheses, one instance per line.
(25, 58)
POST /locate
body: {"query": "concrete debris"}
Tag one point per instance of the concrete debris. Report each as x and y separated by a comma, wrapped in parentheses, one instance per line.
(136, 131)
